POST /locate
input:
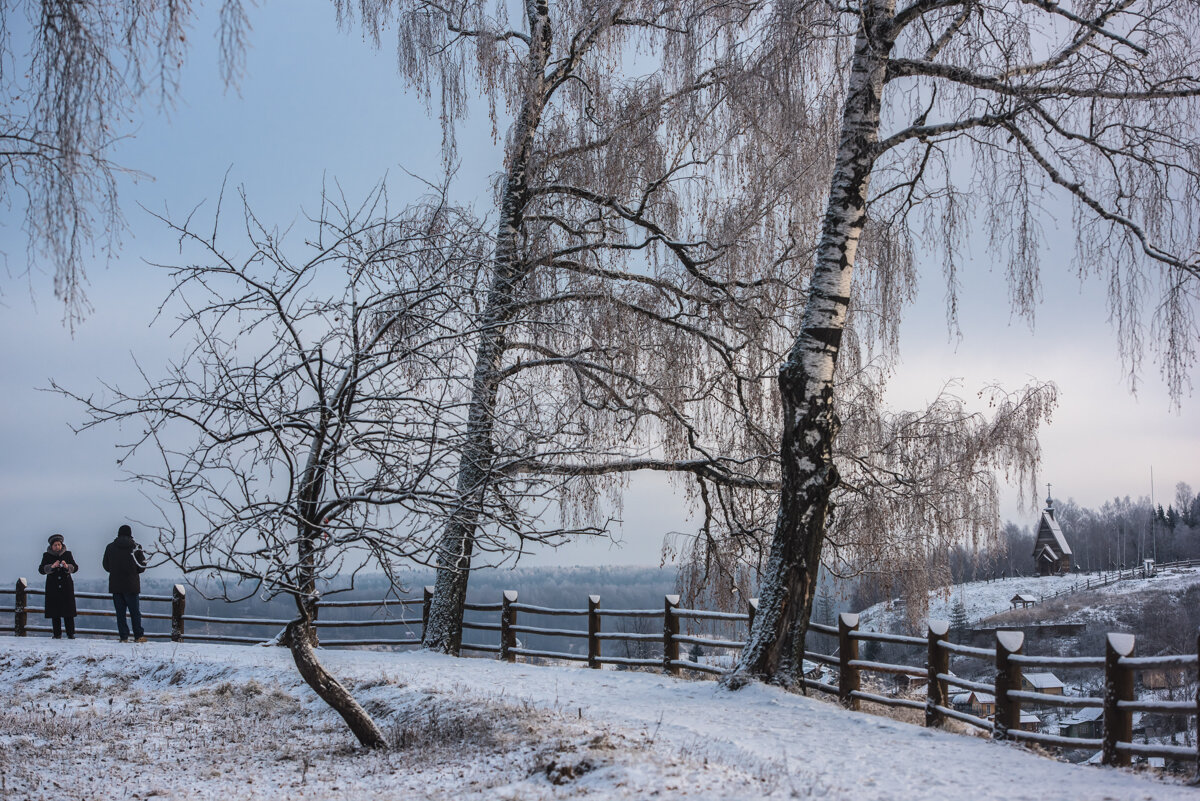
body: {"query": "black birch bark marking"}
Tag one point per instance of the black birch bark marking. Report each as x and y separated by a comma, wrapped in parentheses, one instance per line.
(775, 651)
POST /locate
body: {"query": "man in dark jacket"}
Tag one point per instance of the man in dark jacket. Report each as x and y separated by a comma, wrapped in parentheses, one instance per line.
(125, 563)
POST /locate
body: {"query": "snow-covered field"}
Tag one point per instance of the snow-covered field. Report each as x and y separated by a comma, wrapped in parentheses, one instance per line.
(89, 719)
(984, 599)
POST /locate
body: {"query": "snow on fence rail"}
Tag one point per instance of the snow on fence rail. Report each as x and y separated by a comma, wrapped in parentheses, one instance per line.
(1118, 664)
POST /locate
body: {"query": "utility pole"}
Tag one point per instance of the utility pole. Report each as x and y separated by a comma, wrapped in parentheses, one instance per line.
(1153, 519)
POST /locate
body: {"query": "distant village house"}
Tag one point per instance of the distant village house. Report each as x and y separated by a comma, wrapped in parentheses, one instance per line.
(1087, 723)
(977, 703)
(1046, 683)
(1030, 722)
(1163, 678)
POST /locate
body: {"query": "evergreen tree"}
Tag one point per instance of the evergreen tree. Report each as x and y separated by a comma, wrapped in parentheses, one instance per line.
(960, 622)
(1173, 518)
(823, 608)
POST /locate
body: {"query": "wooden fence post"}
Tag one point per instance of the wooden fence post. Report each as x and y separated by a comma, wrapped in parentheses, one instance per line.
(1008, 677)
(313, 602)
(593, 630)
(1197, 777)
(938, 661)
(670, 630)
(178, 606)
(1118, 686)
(508, 616)
(21, 603)
(848, 678)
(426, 602)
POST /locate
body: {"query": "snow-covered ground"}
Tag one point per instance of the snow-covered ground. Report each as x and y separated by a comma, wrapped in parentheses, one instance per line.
(90, 719)
(982, 599)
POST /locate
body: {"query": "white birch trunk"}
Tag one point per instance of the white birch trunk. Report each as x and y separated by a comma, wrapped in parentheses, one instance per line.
(444, 630)
(776, 647)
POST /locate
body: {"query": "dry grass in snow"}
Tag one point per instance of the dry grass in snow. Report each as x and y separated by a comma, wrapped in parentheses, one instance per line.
(90, 719)
(135, 726)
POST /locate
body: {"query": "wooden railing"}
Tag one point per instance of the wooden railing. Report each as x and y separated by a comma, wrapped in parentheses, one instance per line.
(712, 630)
(180, 620)
(1105, 577)
(1118, 664)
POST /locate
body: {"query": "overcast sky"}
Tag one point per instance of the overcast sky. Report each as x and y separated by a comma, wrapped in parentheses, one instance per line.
(318, 105)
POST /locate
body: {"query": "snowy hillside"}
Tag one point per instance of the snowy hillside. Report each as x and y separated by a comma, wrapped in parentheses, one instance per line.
(91, 719)
(982, 599)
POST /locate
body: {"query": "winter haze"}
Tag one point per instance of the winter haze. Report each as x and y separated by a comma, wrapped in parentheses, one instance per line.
(318, 106)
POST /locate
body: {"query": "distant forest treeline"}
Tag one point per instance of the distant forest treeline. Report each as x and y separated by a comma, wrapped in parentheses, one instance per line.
(1120, 534)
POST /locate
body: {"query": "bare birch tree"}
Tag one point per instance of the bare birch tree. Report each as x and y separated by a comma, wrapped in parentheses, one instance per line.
(601, 315)
(69, 71)
(310, 430)
(1092, 101)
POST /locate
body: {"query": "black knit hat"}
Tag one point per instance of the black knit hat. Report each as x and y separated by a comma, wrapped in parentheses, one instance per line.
(124, 531)
(55, 538)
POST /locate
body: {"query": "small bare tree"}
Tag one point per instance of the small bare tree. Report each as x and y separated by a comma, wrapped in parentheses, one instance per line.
(309, 431)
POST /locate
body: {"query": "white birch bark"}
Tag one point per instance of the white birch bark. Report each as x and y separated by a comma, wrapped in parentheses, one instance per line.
(776, 646)
(444, 630)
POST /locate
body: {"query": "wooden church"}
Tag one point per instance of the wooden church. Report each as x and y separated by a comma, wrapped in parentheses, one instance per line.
(1051, 553)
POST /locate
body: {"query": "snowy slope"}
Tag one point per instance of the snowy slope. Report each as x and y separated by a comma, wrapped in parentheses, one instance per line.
(984, 599)
(98, 720)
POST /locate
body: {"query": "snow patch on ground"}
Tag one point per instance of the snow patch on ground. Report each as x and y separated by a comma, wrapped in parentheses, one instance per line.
(90, 719)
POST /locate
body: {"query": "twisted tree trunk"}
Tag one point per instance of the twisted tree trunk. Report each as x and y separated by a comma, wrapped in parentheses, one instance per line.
(298, 636)
(775, 651)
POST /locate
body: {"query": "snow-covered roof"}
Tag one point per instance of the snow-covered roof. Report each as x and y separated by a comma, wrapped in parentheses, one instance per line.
(1047, 552)
(1025, 598)
(1048, 530)
(961, 699)
(1084, 716)
(1028, 717)
(1043, 681)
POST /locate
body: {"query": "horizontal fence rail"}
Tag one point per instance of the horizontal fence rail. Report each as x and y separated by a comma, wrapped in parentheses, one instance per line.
(652, 638)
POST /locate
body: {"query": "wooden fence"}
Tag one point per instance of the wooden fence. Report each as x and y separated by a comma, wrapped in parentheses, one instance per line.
(1103, 578)
(1118, 664)
(1119, 702)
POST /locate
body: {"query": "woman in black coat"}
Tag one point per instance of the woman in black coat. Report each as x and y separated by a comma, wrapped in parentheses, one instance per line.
(57, 566)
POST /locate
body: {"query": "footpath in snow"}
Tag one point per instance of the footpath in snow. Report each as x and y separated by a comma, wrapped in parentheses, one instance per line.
(89, 719)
